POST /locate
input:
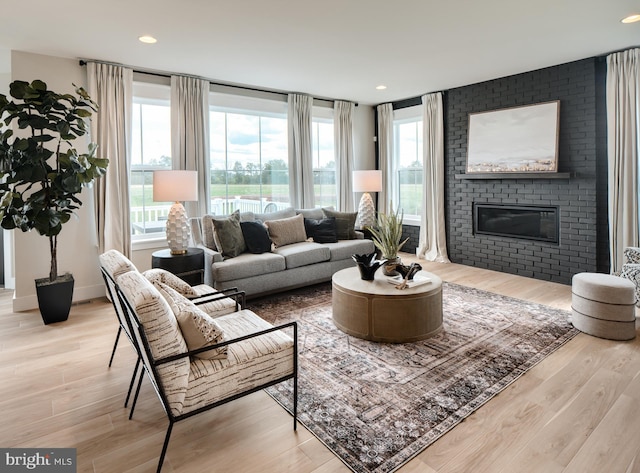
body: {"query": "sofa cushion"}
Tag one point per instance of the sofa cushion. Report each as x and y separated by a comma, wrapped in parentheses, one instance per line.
(244, 367)
(345, 223)
(280, 214)
(198, 329)
(323, 230)
(343, 249)
(228, 235)
(287, 230)
(208, 238)
(162, 332)
(303, 254)
(316, 214)
(256, 237)
(247, 265)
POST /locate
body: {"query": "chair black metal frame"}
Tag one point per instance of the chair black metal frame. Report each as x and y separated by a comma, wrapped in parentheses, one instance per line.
(150, 366)
(233, 293)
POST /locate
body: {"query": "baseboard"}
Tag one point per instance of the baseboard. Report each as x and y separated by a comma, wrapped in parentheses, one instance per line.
(80, 294)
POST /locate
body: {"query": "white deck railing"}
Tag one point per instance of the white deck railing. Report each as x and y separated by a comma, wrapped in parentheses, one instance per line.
(154, 213)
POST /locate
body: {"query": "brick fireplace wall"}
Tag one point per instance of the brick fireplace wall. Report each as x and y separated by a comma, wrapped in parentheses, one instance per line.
(581, 198)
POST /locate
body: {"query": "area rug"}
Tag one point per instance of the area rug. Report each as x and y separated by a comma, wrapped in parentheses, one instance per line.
(377, 405)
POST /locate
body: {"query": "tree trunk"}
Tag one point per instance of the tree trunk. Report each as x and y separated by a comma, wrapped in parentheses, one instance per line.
(53, 246)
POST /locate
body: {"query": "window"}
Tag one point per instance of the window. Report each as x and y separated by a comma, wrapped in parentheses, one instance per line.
(324, 163)
(249, 159)
(248, 155)
(408, 161)
(150, 151)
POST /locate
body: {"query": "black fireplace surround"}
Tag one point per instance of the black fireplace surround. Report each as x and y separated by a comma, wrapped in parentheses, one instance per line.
(529, 222)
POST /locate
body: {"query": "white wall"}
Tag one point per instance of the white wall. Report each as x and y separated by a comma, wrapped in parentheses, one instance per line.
(77, 243)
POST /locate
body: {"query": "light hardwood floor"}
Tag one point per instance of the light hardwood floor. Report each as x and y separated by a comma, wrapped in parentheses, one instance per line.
(576, 411)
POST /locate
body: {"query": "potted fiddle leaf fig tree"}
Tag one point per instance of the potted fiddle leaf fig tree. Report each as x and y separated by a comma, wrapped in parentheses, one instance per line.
(42, 173)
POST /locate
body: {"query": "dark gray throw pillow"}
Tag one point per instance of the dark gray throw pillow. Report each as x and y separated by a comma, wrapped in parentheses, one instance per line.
(345, 223)
(256, 237)
(322, 230)
(228, 235)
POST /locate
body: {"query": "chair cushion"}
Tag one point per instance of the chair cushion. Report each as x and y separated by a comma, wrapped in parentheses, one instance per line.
(287, 230)
(162, 332)
(248, 364)
(345, 223)
(158, 275)
(256, 237)
(247, 265)
(198, 329)
(228, 235)
(303, 254)
(631, 271)
(115, 263)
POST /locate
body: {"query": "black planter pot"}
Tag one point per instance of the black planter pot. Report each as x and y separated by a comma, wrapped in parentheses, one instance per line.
(54, 298)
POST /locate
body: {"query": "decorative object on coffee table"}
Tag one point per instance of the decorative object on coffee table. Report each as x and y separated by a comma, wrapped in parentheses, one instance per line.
(386, 235)
(368, 265)
(176, 186)
(366, 181)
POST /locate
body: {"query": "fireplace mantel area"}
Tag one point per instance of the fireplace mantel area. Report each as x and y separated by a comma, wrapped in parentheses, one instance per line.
(578, 197)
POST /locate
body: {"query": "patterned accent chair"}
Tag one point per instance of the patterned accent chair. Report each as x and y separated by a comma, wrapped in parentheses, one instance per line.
(113, 264)
(631, 269)
(196, 362)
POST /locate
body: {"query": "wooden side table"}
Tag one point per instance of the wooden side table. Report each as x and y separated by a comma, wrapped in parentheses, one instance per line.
(189, 267)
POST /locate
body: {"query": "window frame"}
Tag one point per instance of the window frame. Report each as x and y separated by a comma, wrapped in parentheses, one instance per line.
(413, 114)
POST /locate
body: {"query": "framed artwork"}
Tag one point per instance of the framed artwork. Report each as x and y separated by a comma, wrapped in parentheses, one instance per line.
(516, 139)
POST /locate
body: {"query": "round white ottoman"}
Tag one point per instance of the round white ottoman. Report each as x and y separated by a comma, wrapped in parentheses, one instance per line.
(603, 306)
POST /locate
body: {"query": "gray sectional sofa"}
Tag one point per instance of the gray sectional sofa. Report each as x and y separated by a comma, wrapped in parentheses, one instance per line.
(284, 267)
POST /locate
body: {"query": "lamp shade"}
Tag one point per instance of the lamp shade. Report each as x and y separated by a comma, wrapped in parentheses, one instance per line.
(367, 181)
(175, 186)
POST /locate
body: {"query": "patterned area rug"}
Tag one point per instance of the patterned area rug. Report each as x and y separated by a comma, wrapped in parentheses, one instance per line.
(377, 405)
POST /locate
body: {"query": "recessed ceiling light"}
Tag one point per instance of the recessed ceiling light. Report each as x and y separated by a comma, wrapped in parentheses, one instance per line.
(147, 39)
(381, 87)
(631, 19)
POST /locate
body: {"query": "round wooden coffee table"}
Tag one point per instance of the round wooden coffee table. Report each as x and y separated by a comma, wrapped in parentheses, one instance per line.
(377, 311)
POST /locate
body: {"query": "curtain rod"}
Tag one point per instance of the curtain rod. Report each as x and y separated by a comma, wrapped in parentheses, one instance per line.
(83, 62)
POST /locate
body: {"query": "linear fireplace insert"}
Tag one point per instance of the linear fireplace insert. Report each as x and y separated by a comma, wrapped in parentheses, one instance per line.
(529, 222)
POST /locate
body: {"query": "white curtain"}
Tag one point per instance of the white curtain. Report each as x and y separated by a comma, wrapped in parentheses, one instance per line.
(300, 155)
(343, 143)
(385, 157)
(190, 135)
(111, 87)
(433, 243)
(623, 137)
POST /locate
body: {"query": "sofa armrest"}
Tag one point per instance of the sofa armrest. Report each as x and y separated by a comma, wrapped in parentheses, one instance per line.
(359, 235)
(210, 257)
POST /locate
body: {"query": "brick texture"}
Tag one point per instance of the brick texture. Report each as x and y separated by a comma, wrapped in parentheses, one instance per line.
(581, 198)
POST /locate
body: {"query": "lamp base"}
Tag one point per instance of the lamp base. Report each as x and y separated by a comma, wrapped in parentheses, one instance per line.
(366, 212)
(178, 229)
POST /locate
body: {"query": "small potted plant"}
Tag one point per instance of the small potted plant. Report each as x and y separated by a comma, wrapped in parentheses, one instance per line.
(41, 174)
(386, 236)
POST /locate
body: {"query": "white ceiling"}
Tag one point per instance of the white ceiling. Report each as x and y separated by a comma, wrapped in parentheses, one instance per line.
(328, 48)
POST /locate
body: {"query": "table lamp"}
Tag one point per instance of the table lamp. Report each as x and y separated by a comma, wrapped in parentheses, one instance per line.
(366, 181)
(176, 186)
